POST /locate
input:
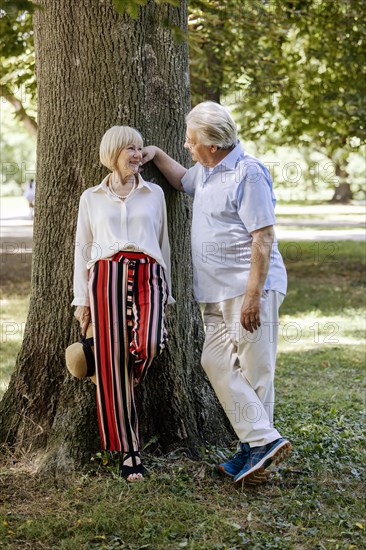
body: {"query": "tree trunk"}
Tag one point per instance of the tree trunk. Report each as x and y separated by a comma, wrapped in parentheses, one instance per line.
(342, 194)
(95, 69)
(342, 189)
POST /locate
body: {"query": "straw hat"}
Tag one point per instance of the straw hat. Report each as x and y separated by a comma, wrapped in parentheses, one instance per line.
(80, 357)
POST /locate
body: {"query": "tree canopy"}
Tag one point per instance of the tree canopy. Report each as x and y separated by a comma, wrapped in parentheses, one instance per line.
(17, 73)
(294, 70)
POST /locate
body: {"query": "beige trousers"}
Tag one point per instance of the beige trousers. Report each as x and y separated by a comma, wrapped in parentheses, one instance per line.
(241, 365)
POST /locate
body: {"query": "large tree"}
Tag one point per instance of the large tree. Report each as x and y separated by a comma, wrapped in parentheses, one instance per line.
(97, 68)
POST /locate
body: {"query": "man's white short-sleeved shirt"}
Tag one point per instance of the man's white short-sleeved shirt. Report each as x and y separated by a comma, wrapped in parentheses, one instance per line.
(230, 202)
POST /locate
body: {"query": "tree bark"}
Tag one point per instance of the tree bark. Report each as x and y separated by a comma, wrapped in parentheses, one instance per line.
(95, 69)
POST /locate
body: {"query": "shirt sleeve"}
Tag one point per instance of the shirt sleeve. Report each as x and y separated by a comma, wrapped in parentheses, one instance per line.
(256, 198)
(189, 180)
(165, 250)
(83, 240)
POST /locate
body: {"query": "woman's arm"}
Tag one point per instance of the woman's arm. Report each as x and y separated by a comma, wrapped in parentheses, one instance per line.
(170, 168)
(83, 241)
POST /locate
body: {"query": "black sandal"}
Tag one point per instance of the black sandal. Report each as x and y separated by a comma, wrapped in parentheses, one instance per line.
(134, 469)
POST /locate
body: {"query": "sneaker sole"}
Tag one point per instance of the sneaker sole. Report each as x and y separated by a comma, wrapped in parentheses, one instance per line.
(222, 470)
(261, 471)
(258, 478)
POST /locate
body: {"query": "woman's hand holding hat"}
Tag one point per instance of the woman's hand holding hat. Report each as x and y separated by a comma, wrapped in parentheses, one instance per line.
(82, 314)
(80, 357)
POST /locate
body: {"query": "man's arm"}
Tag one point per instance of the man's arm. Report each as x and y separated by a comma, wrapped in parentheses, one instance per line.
(171, 169)
(261, 254)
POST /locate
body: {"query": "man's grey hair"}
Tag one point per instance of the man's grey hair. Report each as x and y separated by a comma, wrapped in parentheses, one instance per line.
(213, 125)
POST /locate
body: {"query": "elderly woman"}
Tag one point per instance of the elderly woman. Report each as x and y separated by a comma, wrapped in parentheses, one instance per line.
(122, 286)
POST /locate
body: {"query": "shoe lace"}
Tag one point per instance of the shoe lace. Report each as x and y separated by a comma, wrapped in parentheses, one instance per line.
(243, 450)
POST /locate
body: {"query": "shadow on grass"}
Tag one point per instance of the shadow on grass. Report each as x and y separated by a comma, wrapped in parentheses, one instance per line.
(322, 375)
(324, 276)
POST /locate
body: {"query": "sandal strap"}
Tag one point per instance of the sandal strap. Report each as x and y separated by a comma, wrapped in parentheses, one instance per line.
(133, 455)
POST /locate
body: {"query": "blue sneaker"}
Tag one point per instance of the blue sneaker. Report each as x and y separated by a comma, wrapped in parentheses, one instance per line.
(233, 466)
(262, 460)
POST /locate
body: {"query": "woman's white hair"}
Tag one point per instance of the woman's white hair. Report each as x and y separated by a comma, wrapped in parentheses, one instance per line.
(114, 140)
(213, 125)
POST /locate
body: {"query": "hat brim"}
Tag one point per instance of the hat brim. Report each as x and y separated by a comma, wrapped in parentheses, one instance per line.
(76, 362)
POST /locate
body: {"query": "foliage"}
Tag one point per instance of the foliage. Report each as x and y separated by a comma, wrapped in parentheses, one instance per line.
(314, 92)
(294, 71)
(17, 154)
(17, 47)
(17, 73)
(295, 59)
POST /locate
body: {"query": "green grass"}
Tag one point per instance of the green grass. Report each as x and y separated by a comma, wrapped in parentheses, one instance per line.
(314, 501)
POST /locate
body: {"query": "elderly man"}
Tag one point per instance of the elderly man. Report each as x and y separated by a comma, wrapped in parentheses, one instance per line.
(239, 279)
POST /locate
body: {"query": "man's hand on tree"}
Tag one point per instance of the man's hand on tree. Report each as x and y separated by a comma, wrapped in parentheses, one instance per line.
(148, 153)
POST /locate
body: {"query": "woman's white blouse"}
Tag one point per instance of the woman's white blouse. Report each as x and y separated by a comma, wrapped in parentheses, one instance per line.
(107, 225)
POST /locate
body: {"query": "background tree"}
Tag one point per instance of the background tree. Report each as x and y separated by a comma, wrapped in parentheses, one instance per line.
(294, 70)
(17, 94)
(17, 78)
(317, 98)
(97, 68)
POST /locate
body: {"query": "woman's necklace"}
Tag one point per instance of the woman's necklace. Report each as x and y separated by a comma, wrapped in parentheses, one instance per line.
(122, 197)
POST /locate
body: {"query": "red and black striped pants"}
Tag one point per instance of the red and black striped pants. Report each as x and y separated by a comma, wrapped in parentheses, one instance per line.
(128, 297)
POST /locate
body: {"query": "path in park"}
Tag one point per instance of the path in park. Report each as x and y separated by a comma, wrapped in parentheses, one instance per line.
(323, 222)
(294, 223)
(16, 235)
(320, 223)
